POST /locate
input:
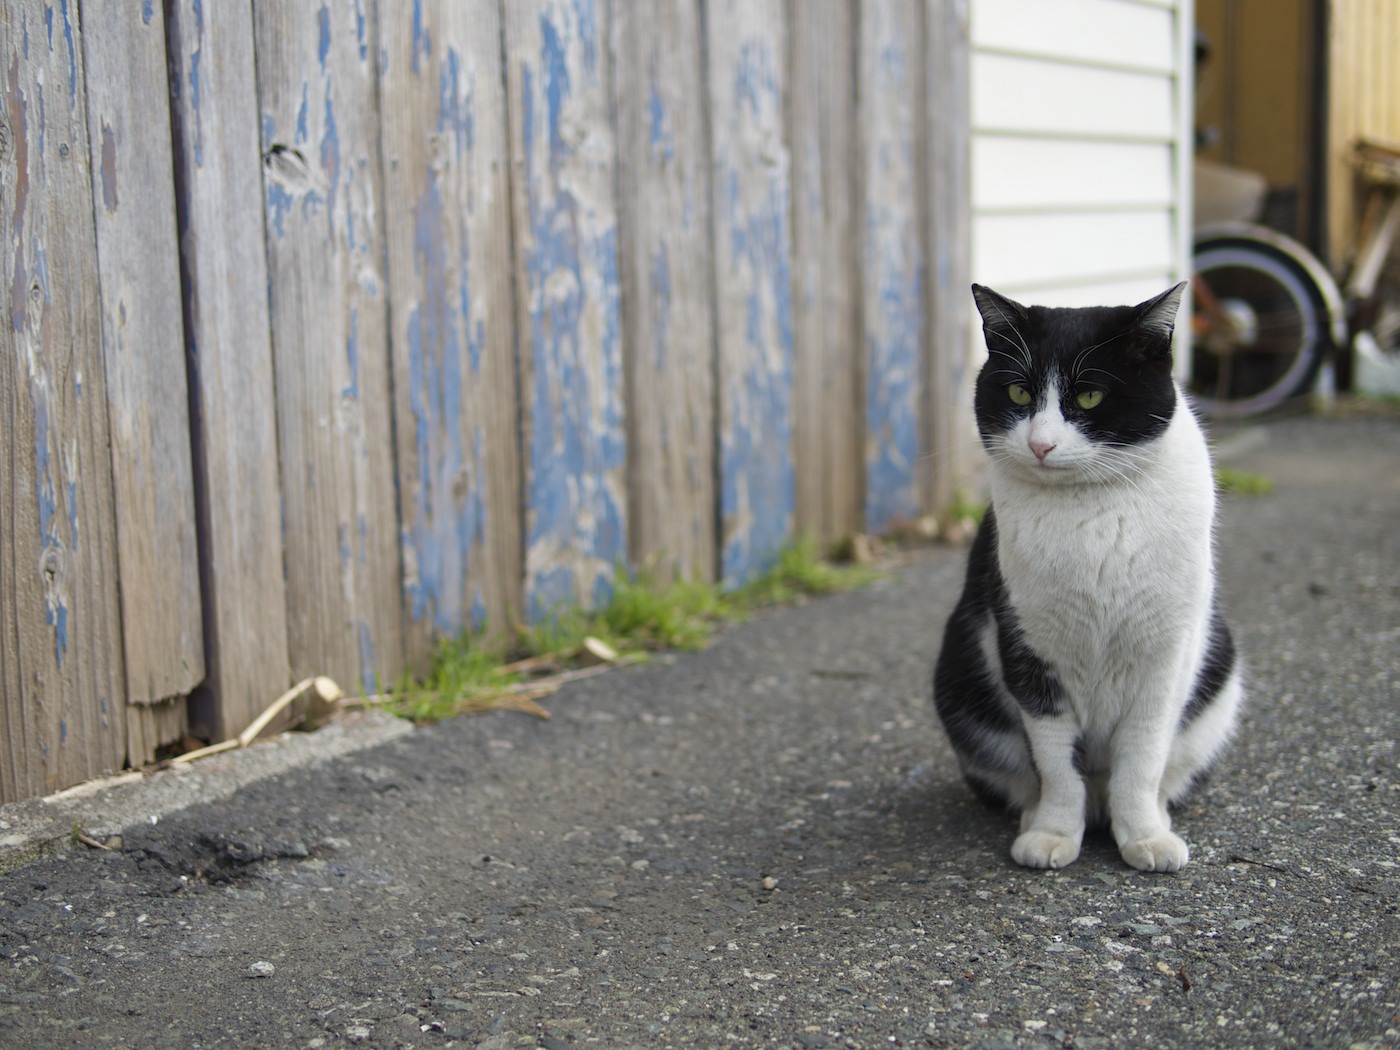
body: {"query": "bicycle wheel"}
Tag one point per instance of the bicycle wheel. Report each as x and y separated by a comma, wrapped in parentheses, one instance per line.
(1266, 314)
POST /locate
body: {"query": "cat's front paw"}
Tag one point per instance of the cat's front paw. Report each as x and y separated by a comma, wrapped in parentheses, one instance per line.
(1160, 852)
(1044, 849)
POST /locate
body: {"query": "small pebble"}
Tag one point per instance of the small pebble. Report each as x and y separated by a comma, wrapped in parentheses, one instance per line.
(770, 883)
(261, 969)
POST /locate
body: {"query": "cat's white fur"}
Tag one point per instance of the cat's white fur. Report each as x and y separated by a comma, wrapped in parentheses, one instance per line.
(1106, 554)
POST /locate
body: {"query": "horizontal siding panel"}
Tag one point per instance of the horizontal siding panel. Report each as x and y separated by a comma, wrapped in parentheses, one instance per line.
(1011, 93)
(1062, 248)
(1021, 173)
(1123, 34)
(1109, 291)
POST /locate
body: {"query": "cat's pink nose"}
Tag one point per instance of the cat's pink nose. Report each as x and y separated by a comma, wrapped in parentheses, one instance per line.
(1041, 449)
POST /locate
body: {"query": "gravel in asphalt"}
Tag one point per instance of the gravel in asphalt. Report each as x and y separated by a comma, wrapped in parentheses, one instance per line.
(768, 844)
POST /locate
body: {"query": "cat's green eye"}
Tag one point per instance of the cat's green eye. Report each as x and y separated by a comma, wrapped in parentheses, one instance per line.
(1019, 395)
(1088, 398)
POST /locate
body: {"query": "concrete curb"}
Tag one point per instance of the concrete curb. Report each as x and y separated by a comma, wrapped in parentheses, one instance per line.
(37, 827)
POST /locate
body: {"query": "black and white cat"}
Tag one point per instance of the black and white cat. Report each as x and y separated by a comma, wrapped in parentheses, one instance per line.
(1086, 673)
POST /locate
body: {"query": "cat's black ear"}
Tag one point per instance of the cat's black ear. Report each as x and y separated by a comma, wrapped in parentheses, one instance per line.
(1001, 316)
(1156, 318)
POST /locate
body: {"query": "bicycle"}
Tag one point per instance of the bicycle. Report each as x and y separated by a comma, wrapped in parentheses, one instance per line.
(1267, 313)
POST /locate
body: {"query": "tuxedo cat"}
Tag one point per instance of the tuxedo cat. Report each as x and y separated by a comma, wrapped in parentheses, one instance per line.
(1087, 674)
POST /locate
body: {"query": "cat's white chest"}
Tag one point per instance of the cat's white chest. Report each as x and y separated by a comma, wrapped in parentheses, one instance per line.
(1110, 583)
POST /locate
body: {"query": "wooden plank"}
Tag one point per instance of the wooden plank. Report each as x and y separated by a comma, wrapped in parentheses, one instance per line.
(891, 88)
(62, 685)
(951, 434)
(665, 266)
(569, 314)
(143, 348)
(753, 281)
(448, 229)
(321, 178)
(828, 437)
(218, 181)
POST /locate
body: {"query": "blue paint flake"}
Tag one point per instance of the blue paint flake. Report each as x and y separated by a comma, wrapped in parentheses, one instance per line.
(369, 677)
(330, 157)
(352, 356)
(303, 114)
(361, 30)
(422, 41)
(147, 10)
(323, 36)
(454, 109)
(72, 57)
(577, 442)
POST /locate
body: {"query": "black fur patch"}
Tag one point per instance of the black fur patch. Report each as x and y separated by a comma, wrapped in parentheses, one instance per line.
(1122, 351)
(1215, 669)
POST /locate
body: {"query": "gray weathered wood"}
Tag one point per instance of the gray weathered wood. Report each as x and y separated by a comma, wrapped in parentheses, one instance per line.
(324, 217)
(667, 274)
(827, 360)
(745, 49)
(62, 686)
(567, 286)
(893, 270)
(143, 348)
(447, 216)
(951, 432)
(218, 181)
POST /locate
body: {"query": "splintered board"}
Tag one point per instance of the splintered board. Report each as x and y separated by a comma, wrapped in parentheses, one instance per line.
(827, 366)
(567, 286)
(218, 181)
(894, 270)
(667, 313)
(447, 198)
(753, 282)
(144, 351)
(327, 302)
(62, 685)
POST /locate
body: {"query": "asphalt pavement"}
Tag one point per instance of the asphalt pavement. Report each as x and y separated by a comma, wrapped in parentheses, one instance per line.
(768, 844)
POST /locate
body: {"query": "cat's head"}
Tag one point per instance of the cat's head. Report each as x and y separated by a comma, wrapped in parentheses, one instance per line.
(1074, 394)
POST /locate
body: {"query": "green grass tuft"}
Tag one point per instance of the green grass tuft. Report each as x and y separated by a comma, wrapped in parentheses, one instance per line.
(642, 616)
(1242, 482)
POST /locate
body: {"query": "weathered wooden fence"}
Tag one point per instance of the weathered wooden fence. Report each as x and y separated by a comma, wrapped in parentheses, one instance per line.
(335, 328)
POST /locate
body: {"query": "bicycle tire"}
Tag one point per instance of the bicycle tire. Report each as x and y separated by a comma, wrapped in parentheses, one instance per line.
(1283, 322)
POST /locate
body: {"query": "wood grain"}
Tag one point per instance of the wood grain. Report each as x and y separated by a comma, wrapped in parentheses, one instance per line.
(143, 350)
(828, 370)
(563, 158)
(325, 237)
(62, 685)
(447, 197)
(218, 180)
(668, 277)
(951, 434)
(746, 55)
(892, 69)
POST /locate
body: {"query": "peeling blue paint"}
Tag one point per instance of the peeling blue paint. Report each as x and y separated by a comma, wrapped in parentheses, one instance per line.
(72, 57)
(352, 357)
(369, 677)
(662, 135)
(361, 30)
(576, 515)
(196, 98)
(454, 112)
(447, 514)
(661, 306)
(279, 202)
(422, 40)
(323, 35)
(147, 10)
(330, 159)
(342, 535)
(757, 475)
(303, 114)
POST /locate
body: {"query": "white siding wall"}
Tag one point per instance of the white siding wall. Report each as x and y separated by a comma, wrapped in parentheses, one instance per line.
(1081, 148)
